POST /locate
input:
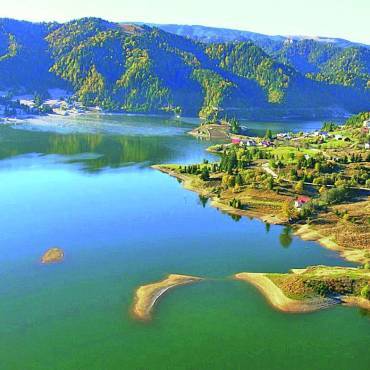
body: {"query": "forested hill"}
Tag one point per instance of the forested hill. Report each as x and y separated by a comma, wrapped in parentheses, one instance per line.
(137, 68)
(334, 60)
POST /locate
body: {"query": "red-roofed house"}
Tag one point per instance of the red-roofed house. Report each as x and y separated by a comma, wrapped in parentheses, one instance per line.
(235, 140)
(301, 201)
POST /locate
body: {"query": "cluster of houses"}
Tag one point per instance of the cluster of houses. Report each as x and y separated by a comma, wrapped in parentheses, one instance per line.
(9, 111)
(64, 108)
(326, 135)
(250, 142)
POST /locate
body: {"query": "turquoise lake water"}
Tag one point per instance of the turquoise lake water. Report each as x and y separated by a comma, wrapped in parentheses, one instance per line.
(85, 184)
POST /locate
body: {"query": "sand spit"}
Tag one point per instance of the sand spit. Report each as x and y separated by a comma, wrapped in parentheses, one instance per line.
(147, 295)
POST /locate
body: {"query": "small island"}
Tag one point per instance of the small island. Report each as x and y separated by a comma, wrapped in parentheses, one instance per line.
(313, 288)
(147, 295)
(217, 129)
(53, 255)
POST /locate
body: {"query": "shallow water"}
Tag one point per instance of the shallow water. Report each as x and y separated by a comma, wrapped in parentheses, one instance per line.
(122, 224)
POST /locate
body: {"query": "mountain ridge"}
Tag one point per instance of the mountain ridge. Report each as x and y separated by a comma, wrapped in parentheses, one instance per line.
(222, 34)
(143, 69)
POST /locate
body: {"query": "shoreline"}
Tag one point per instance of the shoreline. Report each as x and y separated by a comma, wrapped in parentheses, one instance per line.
(303, 231)
(215, 202)
(279, 300)
(146, 296)
(356, 302)
(308, 233)
(21, 119)
(195, 120)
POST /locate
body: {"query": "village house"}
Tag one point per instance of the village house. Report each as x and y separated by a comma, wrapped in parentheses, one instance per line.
(284, 135)
(236, 141)
(249, 142)
(301, 201)
(266, 143)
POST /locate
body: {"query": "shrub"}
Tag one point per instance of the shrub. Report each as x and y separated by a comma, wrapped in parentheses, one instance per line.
(365, 291)
(205, 174)
(299, 187)
(329, 126)
(335, 195)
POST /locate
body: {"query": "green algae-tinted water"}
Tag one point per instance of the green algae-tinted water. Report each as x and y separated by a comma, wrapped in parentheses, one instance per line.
(86, 185)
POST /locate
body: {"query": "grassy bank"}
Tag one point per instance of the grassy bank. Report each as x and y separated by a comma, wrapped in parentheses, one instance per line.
(313, 288)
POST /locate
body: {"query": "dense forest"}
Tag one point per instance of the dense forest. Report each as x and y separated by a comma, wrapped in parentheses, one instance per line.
(138, 68)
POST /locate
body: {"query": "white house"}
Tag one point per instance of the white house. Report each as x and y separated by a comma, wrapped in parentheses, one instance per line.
(249, 142)
(366, 123)
(284, 135)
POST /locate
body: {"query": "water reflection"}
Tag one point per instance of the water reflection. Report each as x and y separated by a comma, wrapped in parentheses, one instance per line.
(99, 150)
(113, 151)
(236, 218)
(203, 200)
(285, 237)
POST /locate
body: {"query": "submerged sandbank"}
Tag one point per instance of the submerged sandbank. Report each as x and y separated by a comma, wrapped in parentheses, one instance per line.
(147, 295)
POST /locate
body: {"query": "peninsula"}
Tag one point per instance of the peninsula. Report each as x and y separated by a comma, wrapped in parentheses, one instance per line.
(318, 183)
(313, 288)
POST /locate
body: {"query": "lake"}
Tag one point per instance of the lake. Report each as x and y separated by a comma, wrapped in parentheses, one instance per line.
(85, 184)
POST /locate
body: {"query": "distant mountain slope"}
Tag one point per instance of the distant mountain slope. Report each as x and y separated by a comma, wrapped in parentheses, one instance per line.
(24, 57)
(137, 68)
(333, 60)
(221, 35)
(330, 60)
(327, 62)
(217, 35)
